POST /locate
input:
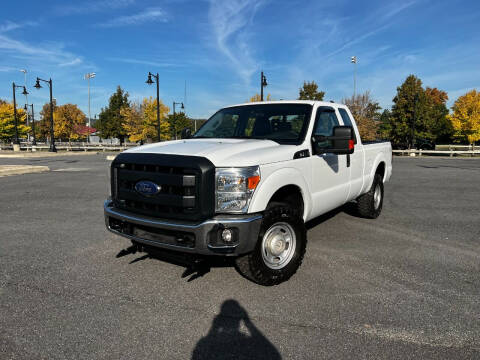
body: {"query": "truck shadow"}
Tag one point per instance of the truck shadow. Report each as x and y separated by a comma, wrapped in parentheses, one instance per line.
(195, 266)
(227, 339)
(348, 209)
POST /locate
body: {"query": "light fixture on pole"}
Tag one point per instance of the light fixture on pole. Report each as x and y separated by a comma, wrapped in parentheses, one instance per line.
(24, 71)
(353, 60)
(88, 77)
(34, 142)
(263, 83)
(15, 87)
(174, 117)
(150, 82)
(52, 133)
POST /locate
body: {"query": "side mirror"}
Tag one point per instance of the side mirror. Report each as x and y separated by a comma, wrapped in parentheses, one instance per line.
(341, 142)
(186, 133)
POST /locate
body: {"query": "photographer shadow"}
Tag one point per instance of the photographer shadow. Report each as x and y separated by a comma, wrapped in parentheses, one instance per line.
(226, 340)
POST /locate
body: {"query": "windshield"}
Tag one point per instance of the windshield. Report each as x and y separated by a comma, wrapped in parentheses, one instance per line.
(283, 123)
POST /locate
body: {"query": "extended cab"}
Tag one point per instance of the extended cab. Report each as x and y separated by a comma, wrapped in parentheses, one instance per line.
(245, 184)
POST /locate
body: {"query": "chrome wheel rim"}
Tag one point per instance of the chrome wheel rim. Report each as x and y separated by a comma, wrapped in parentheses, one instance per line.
(278, 245)
(377, 196)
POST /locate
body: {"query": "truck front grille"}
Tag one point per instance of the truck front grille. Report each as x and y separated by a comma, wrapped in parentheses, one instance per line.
(186, 185)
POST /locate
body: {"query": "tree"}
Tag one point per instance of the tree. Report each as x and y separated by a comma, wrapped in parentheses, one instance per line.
(256, 98)
(465, 117)
(419, 113)
(406, 109)
(178, 122)
(309, 91)
(140, 121)
(366, 113)
(384, 124)
(110, 122)
(42, 127)
(7, 122)
(66, 119)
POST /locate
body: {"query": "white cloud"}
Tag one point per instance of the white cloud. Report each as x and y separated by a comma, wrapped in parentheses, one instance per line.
(149, 15)
(92, 7)
(75, 61)
(144, 62)
(230, 20)
(11, 25)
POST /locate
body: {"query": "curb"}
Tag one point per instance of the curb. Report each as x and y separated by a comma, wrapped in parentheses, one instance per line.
(45, 154)
(6, 170)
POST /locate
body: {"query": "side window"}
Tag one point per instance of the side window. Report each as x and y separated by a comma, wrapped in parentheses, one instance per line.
(346, 120)
(325, 121)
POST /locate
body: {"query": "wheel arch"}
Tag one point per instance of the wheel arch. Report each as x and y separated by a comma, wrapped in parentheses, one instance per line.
(283, 184)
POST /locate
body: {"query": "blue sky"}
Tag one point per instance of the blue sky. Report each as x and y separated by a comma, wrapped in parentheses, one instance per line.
(220, 47)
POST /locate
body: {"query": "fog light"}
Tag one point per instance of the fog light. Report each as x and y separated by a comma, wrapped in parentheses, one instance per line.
(227, 235)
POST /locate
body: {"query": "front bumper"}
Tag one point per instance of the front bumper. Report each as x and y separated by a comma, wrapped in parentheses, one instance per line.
(197, 238)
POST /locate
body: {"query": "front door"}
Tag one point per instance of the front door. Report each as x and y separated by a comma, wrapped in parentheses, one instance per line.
(330, 175)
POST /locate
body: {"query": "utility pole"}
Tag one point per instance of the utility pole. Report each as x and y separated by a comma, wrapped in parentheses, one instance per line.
(354, 62)
(88, 77)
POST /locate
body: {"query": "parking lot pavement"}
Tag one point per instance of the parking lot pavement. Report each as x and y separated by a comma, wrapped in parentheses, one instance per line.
(405, 285)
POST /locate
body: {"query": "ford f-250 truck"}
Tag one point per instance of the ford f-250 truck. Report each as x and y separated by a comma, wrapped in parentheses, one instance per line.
(246, 182)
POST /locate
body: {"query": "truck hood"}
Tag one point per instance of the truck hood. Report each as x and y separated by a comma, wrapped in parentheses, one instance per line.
(224, 152)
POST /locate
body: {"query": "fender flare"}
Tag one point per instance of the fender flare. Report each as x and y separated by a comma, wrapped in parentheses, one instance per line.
(378, 159)
(276, 180)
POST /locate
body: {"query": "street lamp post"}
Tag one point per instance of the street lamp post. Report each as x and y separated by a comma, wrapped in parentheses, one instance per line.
(34, 142)
(52, 133)
(14, 87)
(263, 83)
(24, 71)
(88, 77)
(174, 117)
(150, 82)
(353, 60)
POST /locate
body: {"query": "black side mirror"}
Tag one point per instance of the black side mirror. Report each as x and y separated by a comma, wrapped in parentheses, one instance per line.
(341, 142)
(186, 133)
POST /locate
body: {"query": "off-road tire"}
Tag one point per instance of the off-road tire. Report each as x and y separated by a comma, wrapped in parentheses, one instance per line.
(366, 203)
(253, 267)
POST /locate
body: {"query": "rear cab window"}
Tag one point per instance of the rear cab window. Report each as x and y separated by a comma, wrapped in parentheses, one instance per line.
(347, 121)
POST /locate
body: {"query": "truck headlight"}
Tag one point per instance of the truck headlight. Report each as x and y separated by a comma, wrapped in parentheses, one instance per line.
(234, 188)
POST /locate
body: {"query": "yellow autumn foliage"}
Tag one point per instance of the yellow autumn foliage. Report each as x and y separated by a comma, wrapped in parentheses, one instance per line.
(465, 117)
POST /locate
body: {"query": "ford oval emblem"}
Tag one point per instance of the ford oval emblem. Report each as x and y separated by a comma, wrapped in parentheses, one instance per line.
(147, 188)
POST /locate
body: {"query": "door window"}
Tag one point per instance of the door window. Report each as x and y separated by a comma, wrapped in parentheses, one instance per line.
(346, 120)
(324, 124)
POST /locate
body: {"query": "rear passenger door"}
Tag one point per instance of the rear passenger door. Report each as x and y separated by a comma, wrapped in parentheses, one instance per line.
(330, 175)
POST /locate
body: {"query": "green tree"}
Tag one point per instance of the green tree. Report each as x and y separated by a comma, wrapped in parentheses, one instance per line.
(309, 91)
(110, 122)
(7, 122)
(384, 124)
(178, 122)
(365, 110)
(419, 113)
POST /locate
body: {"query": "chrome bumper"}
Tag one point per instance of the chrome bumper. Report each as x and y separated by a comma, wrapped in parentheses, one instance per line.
(171, 235)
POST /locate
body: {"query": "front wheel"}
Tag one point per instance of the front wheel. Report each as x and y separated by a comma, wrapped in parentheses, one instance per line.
(280, 247)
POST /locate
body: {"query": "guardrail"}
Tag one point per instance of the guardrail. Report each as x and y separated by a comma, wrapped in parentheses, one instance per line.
(72, 147)
(450, 153)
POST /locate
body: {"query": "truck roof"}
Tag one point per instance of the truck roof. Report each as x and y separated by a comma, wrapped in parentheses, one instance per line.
(310, 102)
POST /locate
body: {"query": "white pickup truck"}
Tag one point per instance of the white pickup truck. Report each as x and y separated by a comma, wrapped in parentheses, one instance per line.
(245, 184)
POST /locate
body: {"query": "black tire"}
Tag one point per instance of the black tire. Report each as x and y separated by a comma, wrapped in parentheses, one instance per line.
(366, 203)
(253, 266)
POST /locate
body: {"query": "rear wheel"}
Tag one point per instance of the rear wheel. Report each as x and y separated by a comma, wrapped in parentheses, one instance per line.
(280, 247)
(369, 205)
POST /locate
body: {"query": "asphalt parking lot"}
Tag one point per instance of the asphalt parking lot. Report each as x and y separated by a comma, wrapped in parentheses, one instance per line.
(404, 286)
